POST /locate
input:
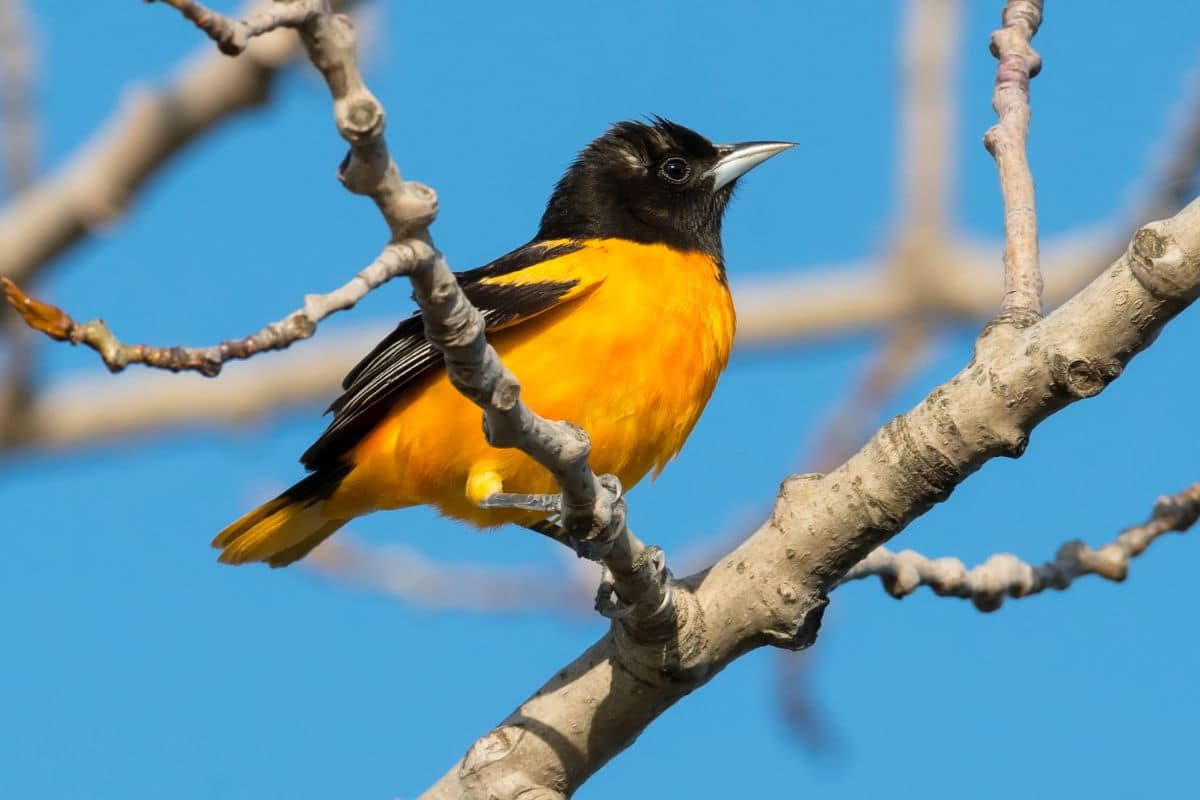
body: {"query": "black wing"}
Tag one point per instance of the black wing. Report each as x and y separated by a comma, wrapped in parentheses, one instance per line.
(405, 355)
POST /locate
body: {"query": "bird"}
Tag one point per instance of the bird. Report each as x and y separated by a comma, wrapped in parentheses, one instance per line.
(616, 316)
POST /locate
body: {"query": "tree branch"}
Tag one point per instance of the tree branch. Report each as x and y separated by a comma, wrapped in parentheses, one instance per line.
(1019, 63)
(300, 324)
(77, 411)
(771, 589)
(827, 301)
(231, 35)
(1005, 575)
(592, 507)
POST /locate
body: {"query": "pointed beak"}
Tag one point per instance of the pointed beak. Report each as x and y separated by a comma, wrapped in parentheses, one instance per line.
(737, 159)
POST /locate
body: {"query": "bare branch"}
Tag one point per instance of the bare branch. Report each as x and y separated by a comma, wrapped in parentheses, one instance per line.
(1019, 63)
(94, 409)
(592, 507)
(771, 589)
(80, 411)
(1004, 575)
(300, 324)
(232, 36)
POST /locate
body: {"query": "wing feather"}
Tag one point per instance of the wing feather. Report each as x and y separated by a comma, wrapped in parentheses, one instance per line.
(403, 356)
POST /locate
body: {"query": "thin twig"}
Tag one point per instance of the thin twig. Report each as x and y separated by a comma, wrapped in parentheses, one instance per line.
(1006, 141)
(1004, 575)
(91, 409)
(231, 35)
(300, 324)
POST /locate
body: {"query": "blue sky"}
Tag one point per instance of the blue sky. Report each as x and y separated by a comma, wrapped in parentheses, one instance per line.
(135, 666)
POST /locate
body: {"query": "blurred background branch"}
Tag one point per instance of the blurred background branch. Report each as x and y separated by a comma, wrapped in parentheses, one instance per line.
(18, 120)
(19, 155)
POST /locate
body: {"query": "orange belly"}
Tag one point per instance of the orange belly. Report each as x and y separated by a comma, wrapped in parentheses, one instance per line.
(633, 361)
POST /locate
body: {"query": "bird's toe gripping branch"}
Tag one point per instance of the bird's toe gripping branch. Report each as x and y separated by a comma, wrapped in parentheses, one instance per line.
(607, 521)
(635, 583)
(539, 503)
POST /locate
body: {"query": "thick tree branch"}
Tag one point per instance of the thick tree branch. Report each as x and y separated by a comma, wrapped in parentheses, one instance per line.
(771, 589)
(1004, 575)
(1019, 63)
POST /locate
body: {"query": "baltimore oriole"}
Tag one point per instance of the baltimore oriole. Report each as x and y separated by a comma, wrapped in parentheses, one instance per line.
(616, 316)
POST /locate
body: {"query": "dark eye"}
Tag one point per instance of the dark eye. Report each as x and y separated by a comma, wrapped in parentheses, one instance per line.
(675, 169)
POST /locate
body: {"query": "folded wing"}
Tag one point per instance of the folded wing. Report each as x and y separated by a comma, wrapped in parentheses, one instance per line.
(404, 356)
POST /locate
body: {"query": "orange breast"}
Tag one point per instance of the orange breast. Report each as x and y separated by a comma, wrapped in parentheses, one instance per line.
(633, 359)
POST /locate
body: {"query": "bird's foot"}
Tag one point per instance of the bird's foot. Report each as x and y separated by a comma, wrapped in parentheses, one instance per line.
(541, 503)
(593, 547)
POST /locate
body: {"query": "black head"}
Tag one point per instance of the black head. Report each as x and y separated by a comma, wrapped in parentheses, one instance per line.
(655, 182)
